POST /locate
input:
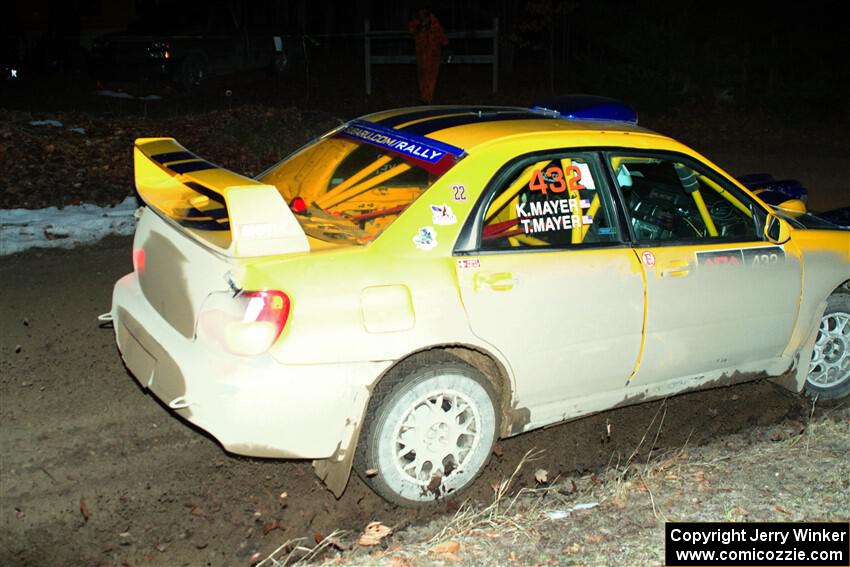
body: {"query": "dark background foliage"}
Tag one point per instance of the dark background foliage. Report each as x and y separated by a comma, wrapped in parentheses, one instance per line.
(656, 53)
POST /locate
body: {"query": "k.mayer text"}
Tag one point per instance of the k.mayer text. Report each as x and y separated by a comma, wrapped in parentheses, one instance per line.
(556, 214)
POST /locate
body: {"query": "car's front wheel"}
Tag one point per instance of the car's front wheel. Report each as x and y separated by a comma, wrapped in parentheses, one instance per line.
(829, 369)
(429, 430)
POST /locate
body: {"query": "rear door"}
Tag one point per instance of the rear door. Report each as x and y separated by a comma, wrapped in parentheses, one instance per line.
(547, 281)
(718, 295)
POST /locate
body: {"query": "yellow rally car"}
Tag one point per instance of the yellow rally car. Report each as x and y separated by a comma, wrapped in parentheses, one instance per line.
(417, 283)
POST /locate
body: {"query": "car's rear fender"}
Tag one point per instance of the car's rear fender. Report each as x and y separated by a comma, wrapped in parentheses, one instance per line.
(361, 303)
(175, 273)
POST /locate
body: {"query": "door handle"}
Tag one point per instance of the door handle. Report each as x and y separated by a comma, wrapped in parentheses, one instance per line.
(499, 281)
(676, 269)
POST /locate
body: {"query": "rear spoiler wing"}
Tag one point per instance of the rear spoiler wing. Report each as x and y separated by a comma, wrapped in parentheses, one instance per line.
(232, 213)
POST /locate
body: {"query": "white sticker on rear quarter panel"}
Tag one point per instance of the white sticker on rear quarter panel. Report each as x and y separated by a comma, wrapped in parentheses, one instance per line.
(426, 238)
(442, 215)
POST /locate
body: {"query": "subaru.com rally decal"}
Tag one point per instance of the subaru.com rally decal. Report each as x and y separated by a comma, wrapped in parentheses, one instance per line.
(418, 147)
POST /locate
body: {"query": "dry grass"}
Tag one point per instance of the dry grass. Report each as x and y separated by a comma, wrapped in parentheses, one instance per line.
(784, 472)
(293, 552)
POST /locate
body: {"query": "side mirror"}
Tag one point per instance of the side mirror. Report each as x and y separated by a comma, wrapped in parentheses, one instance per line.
(777, 230)
(792, 207)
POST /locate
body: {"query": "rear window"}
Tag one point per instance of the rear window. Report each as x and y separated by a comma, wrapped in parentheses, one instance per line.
(354, 188)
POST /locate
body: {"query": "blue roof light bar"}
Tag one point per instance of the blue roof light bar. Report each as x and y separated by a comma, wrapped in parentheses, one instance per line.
(587, 107)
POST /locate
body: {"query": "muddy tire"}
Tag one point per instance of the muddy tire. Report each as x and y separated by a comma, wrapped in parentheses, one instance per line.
(429, 430)
(829, 369)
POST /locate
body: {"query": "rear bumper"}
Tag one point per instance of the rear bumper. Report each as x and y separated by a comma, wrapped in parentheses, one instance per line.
(252, 405)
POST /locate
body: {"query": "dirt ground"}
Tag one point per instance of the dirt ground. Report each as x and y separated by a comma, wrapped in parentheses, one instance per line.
(95, 472)
(786, 472)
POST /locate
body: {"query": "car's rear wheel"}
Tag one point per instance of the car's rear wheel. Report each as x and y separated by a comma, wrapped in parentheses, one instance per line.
(829, 369)
(429, 430)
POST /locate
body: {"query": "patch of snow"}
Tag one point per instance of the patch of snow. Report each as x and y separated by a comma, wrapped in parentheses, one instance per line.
(118, 94)
(561, 514)
(78, 130)
(113, 94)
(46, 123)
(22, 229)
(584, 506)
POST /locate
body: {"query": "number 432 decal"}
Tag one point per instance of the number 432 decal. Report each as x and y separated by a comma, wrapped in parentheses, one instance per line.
(556, 180)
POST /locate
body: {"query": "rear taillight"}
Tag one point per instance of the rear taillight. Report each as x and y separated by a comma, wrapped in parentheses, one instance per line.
(247, 324)
(267, 307)
(264, 315)
(139, 260)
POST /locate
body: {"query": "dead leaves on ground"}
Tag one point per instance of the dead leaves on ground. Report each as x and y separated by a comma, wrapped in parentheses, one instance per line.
(84, 510)
(781, 510)
(64, 166)
(374, 533)
(271, 526)
(447, 550)
(446, 547)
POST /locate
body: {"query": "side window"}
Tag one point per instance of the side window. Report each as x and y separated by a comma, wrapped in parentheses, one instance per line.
(549, 202)
(669, 200)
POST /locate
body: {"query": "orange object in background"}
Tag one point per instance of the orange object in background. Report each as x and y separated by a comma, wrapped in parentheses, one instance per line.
(429, 37)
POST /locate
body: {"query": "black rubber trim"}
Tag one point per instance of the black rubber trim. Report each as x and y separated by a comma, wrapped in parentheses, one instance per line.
(206, 192)
(442, 111)
(173, 156)
(191, 166)
(429, 126)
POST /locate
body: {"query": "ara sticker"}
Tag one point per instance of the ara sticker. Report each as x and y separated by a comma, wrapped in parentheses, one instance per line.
(468, 263)
(443, 215)
(750, 257)
(720, 258)
(648, 258)
(426, 239)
